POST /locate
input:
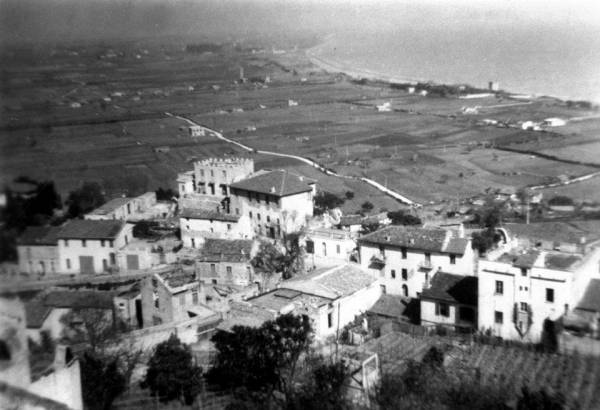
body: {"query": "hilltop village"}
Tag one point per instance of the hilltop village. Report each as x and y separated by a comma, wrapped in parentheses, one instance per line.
(239, 246)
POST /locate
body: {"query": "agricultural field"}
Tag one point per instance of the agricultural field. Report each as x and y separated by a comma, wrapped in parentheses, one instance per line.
(98, 112)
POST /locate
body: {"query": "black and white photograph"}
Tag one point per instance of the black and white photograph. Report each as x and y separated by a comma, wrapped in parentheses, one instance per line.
(299, 204)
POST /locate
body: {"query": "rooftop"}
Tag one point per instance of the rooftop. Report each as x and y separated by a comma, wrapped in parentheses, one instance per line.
(591, 299)
(40, 235)
(334, 283)
(277, 183)
(555, 231)
(410, 237)
(527, 258)
(177, 278)
(389, 306)
(88, 229)
(111, 206)
(224, 250)
(38, 308)
(208, 214)
(452, 288)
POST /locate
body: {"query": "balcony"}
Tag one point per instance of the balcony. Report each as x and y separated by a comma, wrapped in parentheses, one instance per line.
(377, 261)
(425, 265)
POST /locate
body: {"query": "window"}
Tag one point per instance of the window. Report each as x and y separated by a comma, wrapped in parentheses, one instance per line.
(193, 242)
(66, 243)
(258, 216)
(499, 287)
(404, 274)
(5, 354)
(383, 290)
(104, 264)
(126, 239)
(405, 290)
(156, 302)
(523, 306)
(310, 247)
(498, 317)
(330, 319)
(214, 281)
(229, 227)
(268, 218)
(68, 263)
(393, 274)
(250, 213)
(213, 269)
(112, 257)
(428, 258)
(229, 271)
(403, 250)
(202, 173)
(267, 199)
(102, 243)
(442, 309)
(382, 249)
(338, 249)
(224, 174)
(110, 243)
(212, 173)
(324, 245)
(549, 295)
(452, 259)
(237, 211)
(523, 271)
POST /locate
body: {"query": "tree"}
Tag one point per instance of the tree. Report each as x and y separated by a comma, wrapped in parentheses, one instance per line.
(325, 201)
(540, 400)
(401, 218)
(85, 199)
(143, 229)
(366, 206)
(171, 373)
(485, 240)
(165, 194)
(96, 328)
(323, 388)
(101, 381)
(349, 195)
(287, 259)
(261, 360)
(560, 200)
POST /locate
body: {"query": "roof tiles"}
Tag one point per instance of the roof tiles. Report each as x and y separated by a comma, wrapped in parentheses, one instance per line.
(277, 183)
(89, 229)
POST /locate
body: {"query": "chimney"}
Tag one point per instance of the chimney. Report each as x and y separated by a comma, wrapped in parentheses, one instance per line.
(62, 356)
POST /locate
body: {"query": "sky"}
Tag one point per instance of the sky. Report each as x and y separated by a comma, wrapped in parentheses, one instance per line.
(72, 20)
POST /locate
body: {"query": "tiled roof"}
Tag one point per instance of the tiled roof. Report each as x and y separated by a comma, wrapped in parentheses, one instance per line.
(178, 277)
(88, 229)
(389, 306)
(39, 235)
(349, 220)
(561, 261)
(424, 239)
(554, 231)
(225, 250)
(526, 260)
(334, 283)
(591, 298)
(452, 288)
(111, 206)
(38, 308)
(277, 183)
(208, 214)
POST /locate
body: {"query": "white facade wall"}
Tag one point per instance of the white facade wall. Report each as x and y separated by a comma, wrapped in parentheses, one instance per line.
(429, 316)
(38, 260)
(52, 325)
(100, 250)
(531, 288)
(330, 251)
(416, 276)
(344, 310)
(62, 385)
(198, 229)
(212, 176)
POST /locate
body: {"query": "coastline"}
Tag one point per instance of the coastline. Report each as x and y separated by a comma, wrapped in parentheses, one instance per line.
(333, 66)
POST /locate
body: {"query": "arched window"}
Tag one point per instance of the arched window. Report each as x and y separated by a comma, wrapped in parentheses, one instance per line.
(404, 290)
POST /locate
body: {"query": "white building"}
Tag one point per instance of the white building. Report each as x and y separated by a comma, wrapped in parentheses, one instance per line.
(198, 224)
(329, 247)
(331, 298)
(123, 208)
(520, 287)
(275, 202)
(37, 249)
(88, 247)
(406, 258)
(213, 176)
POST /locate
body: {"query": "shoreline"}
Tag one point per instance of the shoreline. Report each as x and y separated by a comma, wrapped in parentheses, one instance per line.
(358, 74)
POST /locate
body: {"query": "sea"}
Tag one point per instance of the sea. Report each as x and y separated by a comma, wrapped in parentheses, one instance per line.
(561, 61)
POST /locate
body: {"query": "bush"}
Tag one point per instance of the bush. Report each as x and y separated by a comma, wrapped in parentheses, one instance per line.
(366, 206)
(325, 201)
(560, 201)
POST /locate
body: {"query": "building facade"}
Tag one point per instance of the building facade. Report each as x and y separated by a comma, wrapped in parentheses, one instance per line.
(37, 249)
(198, 224)
(327, 247)
(227, 262)
(407, 258)
(213, 176)
(90, 247)
(123, 208)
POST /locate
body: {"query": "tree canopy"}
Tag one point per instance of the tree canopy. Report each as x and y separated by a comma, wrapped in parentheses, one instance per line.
(101, 381)
(261, 360)
(85, 199)
(172, 374)
(286, 258)
(326, 200)
(400, 217)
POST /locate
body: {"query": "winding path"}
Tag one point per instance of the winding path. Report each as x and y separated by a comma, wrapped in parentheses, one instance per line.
(310, 162)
